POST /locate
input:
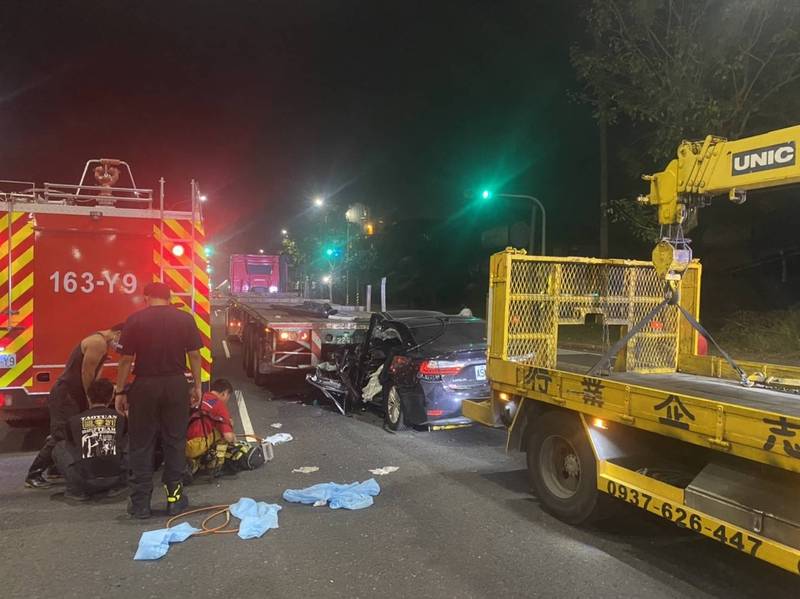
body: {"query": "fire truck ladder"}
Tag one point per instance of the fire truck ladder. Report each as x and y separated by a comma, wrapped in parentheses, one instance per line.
(190, 241)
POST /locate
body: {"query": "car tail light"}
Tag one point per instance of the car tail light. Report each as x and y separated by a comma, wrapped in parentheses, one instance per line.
(435, 413)
(399, 362)
(440, 367)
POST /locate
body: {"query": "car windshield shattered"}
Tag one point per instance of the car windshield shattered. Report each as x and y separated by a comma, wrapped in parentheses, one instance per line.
(443, 335)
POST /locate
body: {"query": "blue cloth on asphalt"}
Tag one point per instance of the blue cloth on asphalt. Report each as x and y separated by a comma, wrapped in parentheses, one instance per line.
(352, 496)
(256, 517)
(154, 544)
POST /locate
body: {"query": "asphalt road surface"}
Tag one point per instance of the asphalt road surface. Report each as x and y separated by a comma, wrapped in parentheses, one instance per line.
(456, 520)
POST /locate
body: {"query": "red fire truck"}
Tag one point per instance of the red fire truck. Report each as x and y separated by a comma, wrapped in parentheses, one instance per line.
(74, 259)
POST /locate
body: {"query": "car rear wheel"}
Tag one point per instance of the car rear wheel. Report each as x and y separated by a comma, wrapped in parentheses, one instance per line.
(562, 467)
(393, 409)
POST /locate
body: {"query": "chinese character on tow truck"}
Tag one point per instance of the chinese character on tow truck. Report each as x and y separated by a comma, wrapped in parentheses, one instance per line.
(783, 428)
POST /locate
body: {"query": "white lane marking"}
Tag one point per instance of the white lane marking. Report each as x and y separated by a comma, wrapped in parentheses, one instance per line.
(247, 426)
(226, 349)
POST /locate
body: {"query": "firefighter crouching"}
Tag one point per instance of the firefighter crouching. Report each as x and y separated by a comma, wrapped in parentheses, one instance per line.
(91, 457)
(211, 445)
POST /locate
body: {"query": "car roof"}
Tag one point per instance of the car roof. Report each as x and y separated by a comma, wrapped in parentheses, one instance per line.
(405, 314)
(433, 319)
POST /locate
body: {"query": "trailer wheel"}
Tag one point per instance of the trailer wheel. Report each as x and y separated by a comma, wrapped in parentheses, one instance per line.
(258, 378)
(247, 351)
(562, 467)
(392, 409)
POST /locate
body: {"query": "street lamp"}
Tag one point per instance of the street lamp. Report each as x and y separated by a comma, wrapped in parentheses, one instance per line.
(202, 198)
(284, 232)
(261, 251)
(328, 280)
(319, 201)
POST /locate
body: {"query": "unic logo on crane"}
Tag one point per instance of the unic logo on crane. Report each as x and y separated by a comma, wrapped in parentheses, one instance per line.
(763, 159)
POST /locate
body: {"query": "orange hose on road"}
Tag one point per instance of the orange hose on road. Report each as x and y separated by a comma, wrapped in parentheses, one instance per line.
(206, 529)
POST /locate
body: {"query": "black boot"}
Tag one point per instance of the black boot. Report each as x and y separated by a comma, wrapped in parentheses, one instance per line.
(140, 512)
(177, 501)
(35, 480)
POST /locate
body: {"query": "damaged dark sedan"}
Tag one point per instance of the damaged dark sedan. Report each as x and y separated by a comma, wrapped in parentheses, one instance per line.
(418, 366)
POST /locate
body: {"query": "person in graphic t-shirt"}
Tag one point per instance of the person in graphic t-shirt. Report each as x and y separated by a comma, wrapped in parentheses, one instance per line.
(68, 397)
(91, 456)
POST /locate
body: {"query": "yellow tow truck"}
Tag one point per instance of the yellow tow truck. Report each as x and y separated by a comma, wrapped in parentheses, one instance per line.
(708, 442)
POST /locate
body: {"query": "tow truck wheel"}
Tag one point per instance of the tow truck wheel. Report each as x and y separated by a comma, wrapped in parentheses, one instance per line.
(393, 409)
(562, 467)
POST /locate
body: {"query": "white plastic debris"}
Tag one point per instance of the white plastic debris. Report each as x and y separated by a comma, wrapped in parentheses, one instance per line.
(320, 503)
(276, 425)
(306, 469)
(279, 438)
(384, 470)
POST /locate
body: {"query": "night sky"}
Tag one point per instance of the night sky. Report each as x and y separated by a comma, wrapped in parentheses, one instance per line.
(402, 106)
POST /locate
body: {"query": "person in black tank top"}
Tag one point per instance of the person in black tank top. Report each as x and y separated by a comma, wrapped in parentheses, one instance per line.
(68, 396)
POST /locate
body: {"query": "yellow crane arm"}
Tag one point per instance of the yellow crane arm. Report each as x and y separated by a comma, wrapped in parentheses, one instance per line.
(717, 166)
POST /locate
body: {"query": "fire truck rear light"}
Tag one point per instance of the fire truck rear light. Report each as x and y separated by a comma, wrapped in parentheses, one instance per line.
(7, 400)
(178, 250)
(288, 336)
(303, 336)
(273, 289)
(440, 367)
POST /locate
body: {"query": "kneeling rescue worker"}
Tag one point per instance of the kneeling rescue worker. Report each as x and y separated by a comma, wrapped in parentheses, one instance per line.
(91, 456)
(210, 440)
(159, 337)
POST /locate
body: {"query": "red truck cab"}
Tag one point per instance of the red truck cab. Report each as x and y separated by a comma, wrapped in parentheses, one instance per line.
(255, 273)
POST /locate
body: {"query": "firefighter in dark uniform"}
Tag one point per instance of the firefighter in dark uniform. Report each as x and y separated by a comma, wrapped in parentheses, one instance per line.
(68, 396)
(159, 337)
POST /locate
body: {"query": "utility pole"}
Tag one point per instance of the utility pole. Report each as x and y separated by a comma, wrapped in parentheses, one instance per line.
(603, 125)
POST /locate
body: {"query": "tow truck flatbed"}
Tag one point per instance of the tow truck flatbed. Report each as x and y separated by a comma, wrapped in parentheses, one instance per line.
(668, 430)
(714, 389)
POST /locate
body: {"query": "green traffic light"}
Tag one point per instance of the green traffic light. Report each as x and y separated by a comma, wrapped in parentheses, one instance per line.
(208, 251)
(486, 194)
(329, 252)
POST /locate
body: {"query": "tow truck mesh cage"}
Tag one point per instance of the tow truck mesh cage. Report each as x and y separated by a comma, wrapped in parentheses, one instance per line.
(543, 293)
